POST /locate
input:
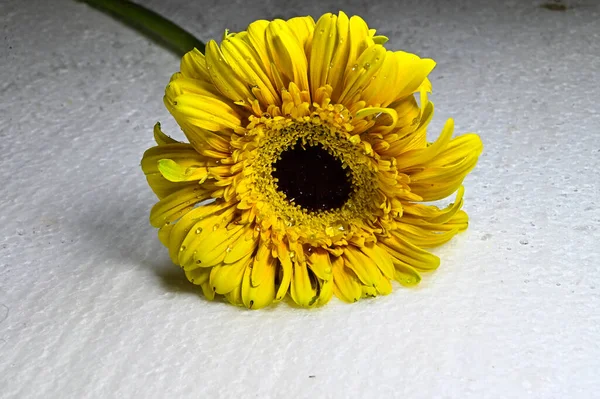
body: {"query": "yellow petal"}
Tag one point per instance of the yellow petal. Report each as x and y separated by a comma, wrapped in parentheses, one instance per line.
(287, 53)
(164, 234)
(163, 188)
(406, 275)
(224, 77)
(213, 246)
(263, 263)
(207, 290)
(402, 250)
(390, 112)
(205, 112)
(425, 238)
(322, 51)
(187, 222)
(459, 221)
(362, 265)
(190, 256)
(342, 54)
(384, 286)
(456, 169)
(241, 247)
(302, 290)
(224, 278)
(381, 91)
(380, 39)
(303, 28)
(160, 137)
(179, 152)
(433, 214)
(244, 62)
(175, 172)
(262, 295)
(359, 74)
(345, 284)
(381, 258)
(257, 37)
(176, 205)
(420, 156)
(286, 269)
(412, 72)
(355, 43)
(234, 296)
(320, 263)
(325, 292)
(198, 276)
(193, 65)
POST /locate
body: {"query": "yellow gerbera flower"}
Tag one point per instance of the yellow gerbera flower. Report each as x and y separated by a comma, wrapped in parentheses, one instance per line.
(311, 145)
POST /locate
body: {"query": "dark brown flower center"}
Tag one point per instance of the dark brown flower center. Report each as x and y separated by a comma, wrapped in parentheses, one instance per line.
(312, 178)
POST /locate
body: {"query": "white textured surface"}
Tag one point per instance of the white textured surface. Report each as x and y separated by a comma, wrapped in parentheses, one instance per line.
(90, 305)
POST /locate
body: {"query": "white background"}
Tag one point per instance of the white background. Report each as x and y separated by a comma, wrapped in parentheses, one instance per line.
(90, 305)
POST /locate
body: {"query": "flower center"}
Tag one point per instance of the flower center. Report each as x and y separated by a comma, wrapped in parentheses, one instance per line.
(312, 178)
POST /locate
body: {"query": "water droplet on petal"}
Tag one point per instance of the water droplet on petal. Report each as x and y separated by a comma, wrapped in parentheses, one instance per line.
(182, 248)
(198, 230)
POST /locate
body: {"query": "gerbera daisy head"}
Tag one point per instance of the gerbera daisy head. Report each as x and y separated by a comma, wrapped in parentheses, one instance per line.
(311, 145)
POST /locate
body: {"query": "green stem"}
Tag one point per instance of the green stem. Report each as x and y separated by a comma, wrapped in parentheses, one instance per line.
(150, 23)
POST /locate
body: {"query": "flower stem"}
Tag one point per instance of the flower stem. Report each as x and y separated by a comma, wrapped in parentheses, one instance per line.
(151, 23)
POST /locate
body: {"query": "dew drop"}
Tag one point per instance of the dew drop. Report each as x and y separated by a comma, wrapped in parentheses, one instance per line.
(354, 67)
(182, 248)
(198, 230)
(198, 261)
(215, 227)
(367, 66)
(292, 254)
(228, 249)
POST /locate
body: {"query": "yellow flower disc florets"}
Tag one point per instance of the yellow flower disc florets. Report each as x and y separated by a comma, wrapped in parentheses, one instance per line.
(306, 165)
